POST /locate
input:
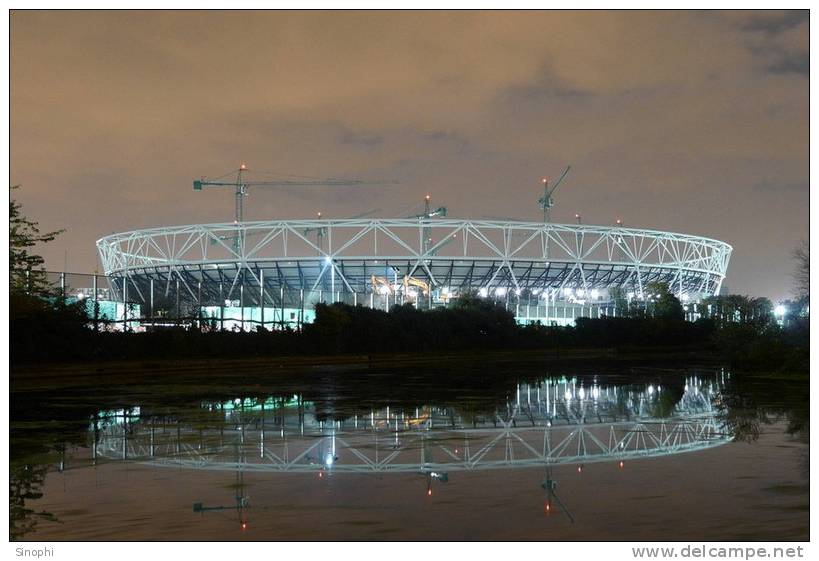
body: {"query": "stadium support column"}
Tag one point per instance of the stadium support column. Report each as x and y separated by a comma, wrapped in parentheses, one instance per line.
(242, 303)
(151, 299)
(281, 303)
(221, 307)
(261, 297)
(301, 308)
(125, 303)
(333, 280)
(545, 307)
(96, 305)
(178, 310)
(199, 313)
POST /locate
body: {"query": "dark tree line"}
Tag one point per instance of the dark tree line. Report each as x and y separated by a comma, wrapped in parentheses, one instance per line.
(46, 328)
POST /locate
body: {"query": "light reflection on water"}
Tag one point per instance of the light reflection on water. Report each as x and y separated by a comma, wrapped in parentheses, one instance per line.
(234, 457)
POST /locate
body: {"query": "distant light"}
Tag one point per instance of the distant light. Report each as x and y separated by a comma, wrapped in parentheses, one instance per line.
(567, 292)
(244, 525)
(631, 295)
(328, 460)
(650, 390)
(483, 292)
(582, 393)
(581, 292)
(80, 296)
(518, 291)
(545, 180)
(500, 291)
(684, 297)
(429, 492)
(780, 310)
(568, 395)
(243, 166)
(328, 260)
(384, 289)
(621, 464)
(595, 293)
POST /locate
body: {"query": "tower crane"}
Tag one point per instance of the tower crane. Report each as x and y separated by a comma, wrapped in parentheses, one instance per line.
(550, 485)
(429, 212)
(321, 231)
(547, 201)
(241, 185)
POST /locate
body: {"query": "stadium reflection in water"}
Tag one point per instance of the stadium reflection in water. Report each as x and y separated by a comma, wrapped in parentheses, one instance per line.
(557, 421)
(549, 423)
(549, 427)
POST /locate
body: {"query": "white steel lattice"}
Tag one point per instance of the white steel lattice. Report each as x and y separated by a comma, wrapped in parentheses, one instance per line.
(344, 254)
(417, 449)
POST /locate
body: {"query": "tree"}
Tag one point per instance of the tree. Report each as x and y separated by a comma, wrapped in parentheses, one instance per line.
(619, 297)
(661, 303)
(802, 273)
(27, 275)
(762, 310)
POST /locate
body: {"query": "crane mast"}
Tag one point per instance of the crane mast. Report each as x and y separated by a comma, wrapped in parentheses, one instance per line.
(547, 201)
(241, 192)
(429, 213)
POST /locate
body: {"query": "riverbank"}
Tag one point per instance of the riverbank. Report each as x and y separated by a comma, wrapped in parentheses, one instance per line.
(56, 374)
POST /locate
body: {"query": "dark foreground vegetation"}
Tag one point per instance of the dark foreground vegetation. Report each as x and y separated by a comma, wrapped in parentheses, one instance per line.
(51, 331)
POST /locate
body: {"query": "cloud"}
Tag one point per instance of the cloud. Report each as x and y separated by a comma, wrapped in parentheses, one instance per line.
(776, 22)
(667, 117)
(769, 186)
(796, 63)
(362, 140)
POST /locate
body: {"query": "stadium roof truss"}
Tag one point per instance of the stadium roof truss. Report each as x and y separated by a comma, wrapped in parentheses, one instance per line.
(343, 255)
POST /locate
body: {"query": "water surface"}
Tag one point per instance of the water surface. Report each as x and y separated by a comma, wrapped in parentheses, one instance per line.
(469, 453)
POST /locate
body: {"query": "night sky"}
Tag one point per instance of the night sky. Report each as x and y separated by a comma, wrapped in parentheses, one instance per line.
(694, 122)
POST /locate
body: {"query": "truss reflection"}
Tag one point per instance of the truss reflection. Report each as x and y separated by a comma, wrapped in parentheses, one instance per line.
(548, 423)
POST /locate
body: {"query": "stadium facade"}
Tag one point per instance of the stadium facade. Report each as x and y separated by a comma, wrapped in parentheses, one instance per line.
(272, 273)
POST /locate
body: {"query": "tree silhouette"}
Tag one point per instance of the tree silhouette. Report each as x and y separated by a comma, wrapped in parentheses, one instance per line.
(802, 273)
(26, 268)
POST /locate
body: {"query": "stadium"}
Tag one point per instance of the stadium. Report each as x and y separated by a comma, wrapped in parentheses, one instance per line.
(243, 275)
